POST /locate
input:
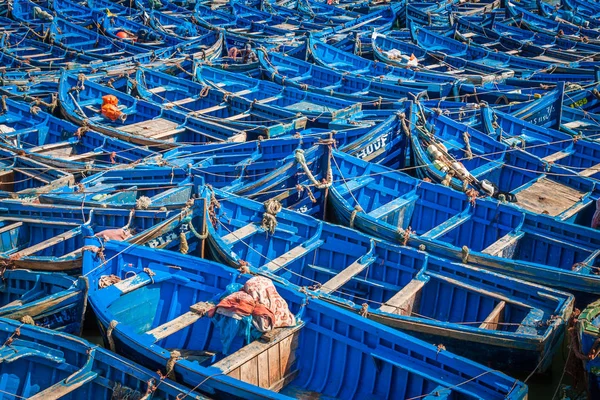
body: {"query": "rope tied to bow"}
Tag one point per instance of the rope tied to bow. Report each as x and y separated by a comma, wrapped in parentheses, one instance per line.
(468, 151)
(356, 210)
(300, 159)
(269, 220)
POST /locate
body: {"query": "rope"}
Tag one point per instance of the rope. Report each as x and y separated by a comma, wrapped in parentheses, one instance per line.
(108, 280)
(468, 152)
(111, 342)
(357, 209)
(269, 220)
(183, 244)
(27, 320)
(300, 159)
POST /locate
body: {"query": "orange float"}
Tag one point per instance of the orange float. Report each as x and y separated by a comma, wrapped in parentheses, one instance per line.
(110, 107)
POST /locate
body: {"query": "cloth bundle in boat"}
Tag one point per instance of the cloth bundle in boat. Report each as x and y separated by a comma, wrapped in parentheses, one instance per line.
(249, 311)
(259, 299)
(114, 234)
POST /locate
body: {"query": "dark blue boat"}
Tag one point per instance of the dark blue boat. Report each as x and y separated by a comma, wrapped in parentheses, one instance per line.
(40, 364)
(50, 300)
(159, 332)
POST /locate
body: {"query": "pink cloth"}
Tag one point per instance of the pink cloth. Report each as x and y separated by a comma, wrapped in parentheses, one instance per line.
(241, 303)
(263, 291)
(114, 234)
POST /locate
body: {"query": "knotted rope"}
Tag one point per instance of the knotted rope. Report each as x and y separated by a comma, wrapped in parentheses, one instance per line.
(269, 220)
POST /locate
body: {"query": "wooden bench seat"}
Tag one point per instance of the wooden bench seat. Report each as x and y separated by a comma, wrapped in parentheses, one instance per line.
(405, 300)
(241, 233)
(590, 171)
(495, 317)
(388, 208)
(47, 243)
(286, 258)
(345, 275)
(10, 227)
(196, 312)
(502, 247)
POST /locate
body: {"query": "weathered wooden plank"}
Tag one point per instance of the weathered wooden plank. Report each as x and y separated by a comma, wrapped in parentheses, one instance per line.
(343, 277)
(47, 243)
(286, 258)
(61, 388)
(556, 156)
(274, 368)
(277, 386)
(10, 227)
(548, 197)
(241, 233)
(255, 348)
(263, 369)
(150, 128)
(495, 317)
(403, 302)
(501, 244)
(387, 208)
(590, 171)
(249, 371)
(196, 312)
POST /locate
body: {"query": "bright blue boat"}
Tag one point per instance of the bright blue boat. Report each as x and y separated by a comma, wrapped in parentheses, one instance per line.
(159, 332)
(39, 364)
(402, 288)
(58, 143)
(50, 300)
(51, 238)
(497, 236)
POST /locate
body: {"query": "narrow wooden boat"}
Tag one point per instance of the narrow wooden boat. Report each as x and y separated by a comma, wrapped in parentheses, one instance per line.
(318, 108)
(35, 54)
(289, 71)
(463, 158)
(50, 300)
(451, 225)
(124, 30)
(39, 363)
(539, 23)
(587, 331)
(21, 177)
(398, 53)
(552, 146)
(159, 328)
(30, 13)
(253, 116)
(556, 13)
(141, 122)
(56, 243)
(522, 66)
(401, 288)
(168, 187)
(58, 143)
(437, 85)
(90, 43)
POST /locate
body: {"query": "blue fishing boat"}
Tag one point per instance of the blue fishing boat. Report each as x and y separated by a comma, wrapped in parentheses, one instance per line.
(168, 187)
(476, 231)
(31, 13)
(55, 243)
(21, 177)
(437, 85)
(401, 288)
(160, 333)
(289, 71)
(58, 143)
(39, 363)
(29, 53)
(462, 157)
(49, 300)
(133, 120)
(253, 116)
(586, 331)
